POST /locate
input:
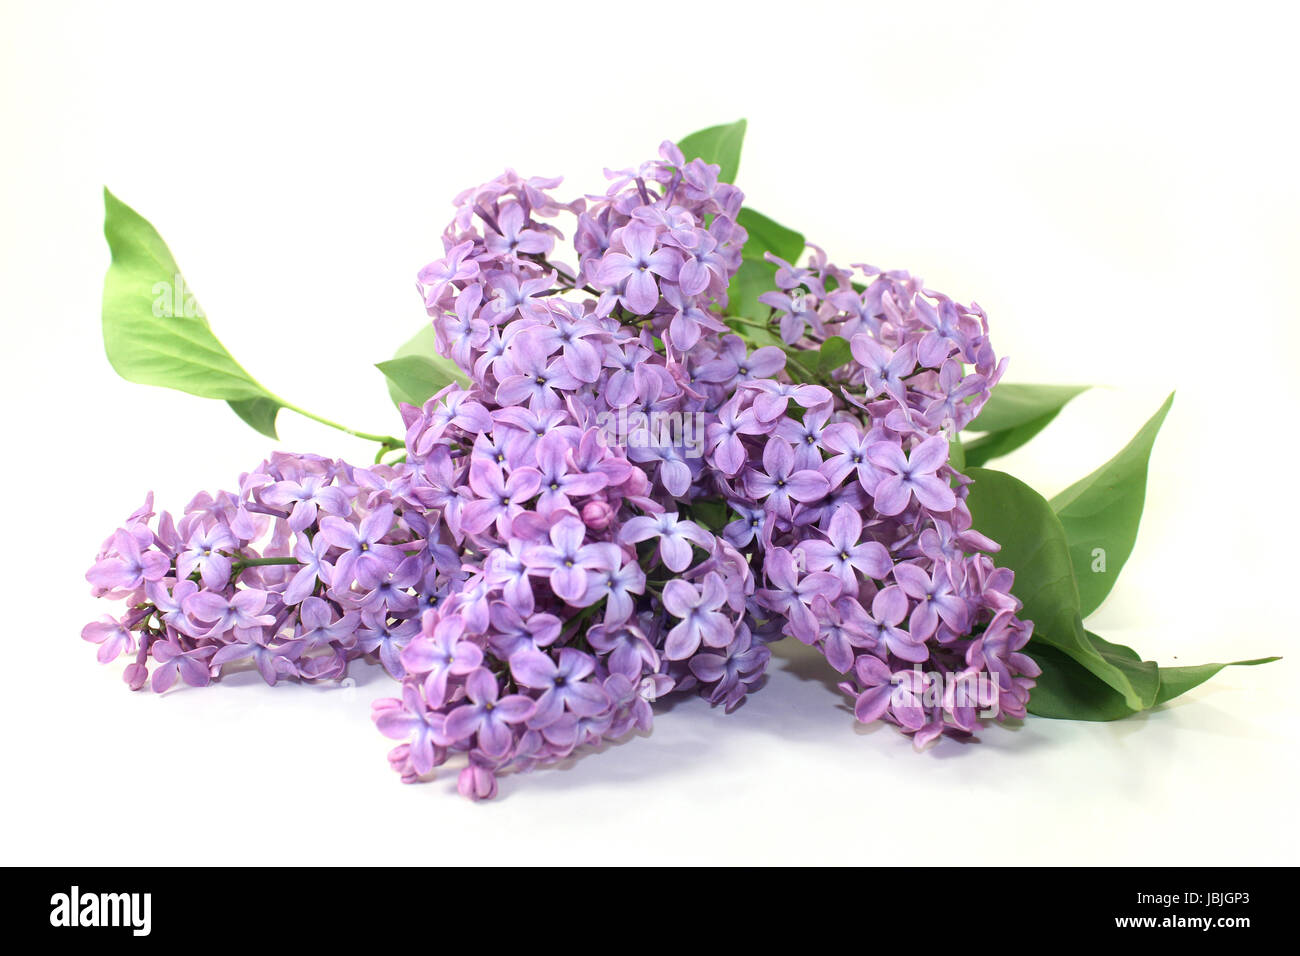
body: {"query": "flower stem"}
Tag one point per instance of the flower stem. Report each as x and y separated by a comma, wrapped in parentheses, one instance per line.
(262, 562)
(386, 440)
(766, 326)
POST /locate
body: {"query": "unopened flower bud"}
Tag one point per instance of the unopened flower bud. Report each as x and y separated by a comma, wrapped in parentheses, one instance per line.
(597, 514)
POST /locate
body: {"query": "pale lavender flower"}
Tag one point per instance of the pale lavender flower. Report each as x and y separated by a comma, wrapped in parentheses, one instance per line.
(780, 483)
(174, 661)
(363, 554)
(563, 683)
(456, 266)
(675, 537)
(637, 266)
(844, 553)
(501, 496)
(130, 567)
(378, 635)
(911, 475)
(888, 609)
(935, 599)
(792, 594)
(698, 619)
(439, 653)
(240, 613)
(534, 376)
(565, 560)
(113, 639)
(203, 553)
(488, 716)
(410, 719)
(513, 238)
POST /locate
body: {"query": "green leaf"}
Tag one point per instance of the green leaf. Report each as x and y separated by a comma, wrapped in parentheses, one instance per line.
(413, 378)
(1101, 513)
(258, 412)
(154, 331)
(981, 450)
(1068, 691)
(1035, 548)
(835, 353)
(756, 275)
(1011, 406)
(801, 366)
(417, 371)
(957, 454)
(767, 235)
(156, 334)
(710, 513)
(1143, 675)
(1085, 677)
(1179, 680)
(719, 145)
(751, 280)
(1013, 415)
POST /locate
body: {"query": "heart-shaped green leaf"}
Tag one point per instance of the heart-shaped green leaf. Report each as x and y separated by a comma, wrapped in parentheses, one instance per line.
(835, 353)
(756, 275)
(719, 145)
(751, 280)
(417, 371)
(259, 413)
(154, 331)
(1101, 514)
(767, 235)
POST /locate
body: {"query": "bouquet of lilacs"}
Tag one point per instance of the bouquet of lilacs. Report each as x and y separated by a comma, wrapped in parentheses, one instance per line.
(648, 433)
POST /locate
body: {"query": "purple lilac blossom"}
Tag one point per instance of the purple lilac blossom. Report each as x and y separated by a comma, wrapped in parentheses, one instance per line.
(535, 581)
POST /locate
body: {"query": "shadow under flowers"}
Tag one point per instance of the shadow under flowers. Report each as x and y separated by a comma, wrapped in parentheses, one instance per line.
(800, 705)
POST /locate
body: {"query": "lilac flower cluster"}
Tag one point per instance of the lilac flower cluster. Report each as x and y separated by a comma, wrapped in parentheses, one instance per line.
(312, 564)
(550, 557)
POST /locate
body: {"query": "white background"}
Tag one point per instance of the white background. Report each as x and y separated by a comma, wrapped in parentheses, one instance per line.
(1116, 185)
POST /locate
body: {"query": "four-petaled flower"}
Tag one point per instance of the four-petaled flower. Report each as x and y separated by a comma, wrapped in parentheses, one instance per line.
(636, 267)
(844, 552)
(911, 475)
(698, 619)
(780, 482)
(440, 654)
(563, 683)
(488, 716)
(675, 537)
(566, 559)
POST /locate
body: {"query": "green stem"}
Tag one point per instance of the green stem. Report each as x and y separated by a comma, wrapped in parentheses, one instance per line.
(262, 562)
(766, 326)
(808, 373)
(386, 440)
(573, 625)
